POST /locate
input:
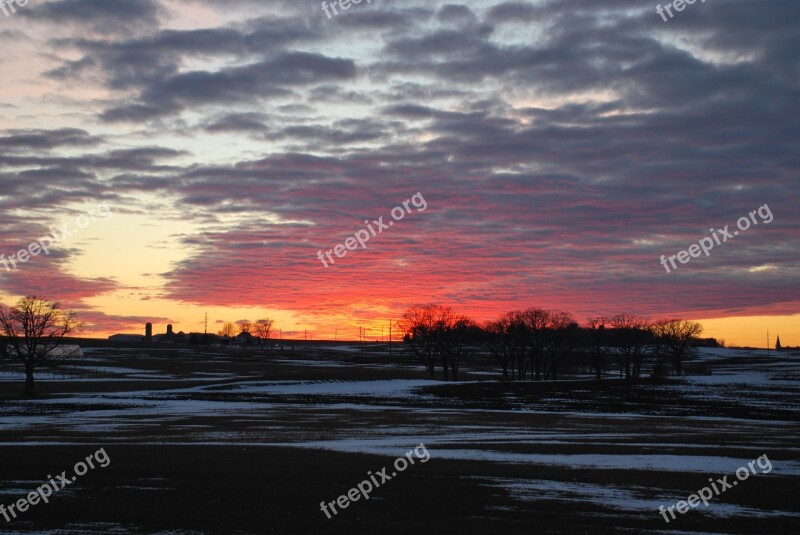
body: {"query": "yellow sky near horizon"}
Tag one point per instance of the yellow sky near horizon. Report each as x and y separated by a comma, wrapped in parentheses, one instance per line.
(752, 330)
(742, 331)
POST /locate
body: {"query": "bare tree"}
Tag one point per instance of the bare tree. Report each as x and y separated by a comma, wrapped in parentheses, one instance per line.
(631, 338)
(460, 338)
(244, 326)
(263, 328)
(228, 330)
(533, 339)
(598, 343)
(507, 341)
(516, 332)
(34, 329)
(499, 344)
(677, 338)
(535, 322)
(562, 336)
(428, 331)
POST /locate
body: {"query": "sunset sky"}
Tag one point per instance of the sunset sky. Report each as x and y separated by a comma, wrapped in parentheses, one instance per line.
(561, 148)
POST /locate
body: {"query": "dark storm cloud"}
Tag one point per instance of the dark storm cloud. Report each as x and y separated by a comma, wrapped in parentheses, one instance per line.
(134, 113)
(395, 19)
(15, 139)
(150, 66)
(249, 83)
(258, 36)
(333, 93)
(139, 158)
(101, 16)
(339, 133)
(457, 14)
(36, 176)
(511, 12)
(238, 122)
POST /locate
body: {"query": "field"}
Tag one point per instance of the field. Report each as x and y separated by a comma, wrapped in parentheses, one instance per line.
(251, 441)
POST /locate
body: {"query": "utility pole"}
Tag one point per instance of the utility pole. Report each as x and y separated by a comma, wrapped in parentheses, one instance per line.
(205, 329)
(390, 338)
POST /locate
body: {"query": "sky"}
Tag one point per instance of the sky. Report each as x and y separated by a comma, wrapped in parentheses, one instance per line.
(204, 155)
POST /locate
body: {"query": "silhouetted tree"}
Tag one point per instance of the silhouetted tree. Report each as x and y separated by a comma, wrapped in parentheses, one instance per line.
(460, 337)
(535, 322)
(561, 339)
(498, 343)
(677, 338)
(533, 339)
(597, 343)
(228, 330)
(34, 329)
(263, 328)
(434, 333)
(545, 338)
(422, 326)
(631, 338)
(507, 341)
(518, 334)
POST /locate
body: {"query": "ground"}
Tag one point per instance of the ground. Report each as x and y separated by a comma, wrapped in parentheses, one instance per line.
(251, 441)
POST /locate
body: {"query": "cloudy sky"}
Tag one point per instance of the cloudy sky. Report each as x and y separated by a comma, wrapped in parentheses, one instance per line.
(561, 148)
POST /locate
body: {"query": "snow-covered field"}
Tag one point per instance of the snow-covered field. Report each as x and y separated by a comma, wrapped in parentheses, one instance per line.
(706, 425)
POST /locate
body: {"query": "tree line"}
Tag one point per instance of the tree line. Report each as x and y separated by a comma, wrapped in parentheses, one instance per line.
(533, 343)
(541, 344)
(261, 329)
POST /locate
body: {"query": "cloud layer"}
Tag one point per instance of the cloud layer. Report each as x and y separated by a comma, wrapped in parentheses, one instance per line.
(562, 148)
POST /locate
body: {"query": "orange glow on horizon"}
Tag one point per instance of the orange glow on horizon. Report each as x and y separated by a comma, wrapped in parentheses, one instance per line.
(740, 331)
